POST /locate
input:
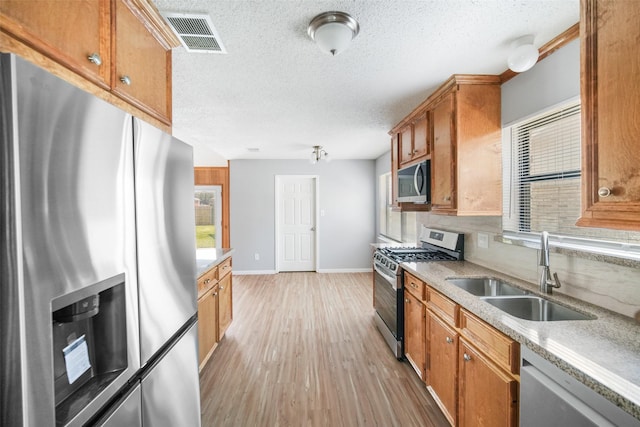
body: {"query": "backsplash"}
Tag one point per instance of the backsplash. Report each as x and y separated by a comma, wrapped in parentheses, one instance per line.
(611, 286)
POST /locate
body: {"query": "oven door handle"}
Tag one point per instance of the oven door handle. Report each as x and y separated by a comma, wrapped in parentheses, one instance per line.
(393, 280)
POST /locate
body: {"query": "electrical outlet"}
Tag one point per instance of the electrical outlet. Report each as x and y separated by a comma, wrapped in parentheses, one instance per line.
(483, 240)
(256, 256)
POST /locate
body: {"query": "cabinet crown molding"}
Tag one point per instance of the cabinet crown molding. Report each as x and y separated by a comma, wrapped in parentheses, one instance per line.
(446, 87)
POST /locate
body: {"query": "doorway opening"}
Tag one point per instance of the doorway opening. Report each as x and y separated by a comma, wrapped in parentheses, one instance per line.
(208, 211)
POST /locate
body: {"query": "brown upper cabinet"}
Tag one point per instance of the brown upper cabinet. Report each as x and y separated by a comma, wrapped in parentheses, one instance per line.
(414, 141)
(466, 162)
(458, 127)
(121, 46)
(72, 33)
(142, 66)
(610, 63)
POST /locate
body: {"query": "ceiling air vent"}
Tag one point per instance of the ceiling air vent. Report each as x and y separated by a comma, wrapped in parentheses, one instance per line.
(195, 31)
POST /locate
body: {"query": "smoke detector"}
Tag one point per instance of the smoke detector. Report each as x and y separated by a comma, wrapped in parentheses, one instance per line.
(195, 31)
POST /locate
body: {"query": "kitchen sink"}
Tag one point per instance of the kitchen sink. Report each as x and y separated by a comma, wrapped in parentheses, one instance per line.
(530, 307)
(486, 286)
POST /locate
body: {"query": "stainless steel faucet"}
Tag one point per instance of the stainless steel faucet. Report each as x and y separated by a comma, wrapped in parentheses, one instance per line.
(546, 284)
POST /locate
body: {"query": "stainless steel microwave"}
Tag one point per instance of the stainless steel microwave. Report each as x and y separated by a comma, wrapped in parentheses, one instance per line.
(414, 183)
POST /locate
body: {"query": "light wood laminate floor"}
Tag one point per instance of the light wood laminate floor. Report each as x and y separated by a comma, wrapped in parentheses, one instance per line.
(303, 350)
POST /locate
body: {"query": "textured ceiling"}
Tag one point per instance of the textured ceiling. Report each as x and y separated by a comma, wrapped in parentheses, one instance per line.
(277, 92)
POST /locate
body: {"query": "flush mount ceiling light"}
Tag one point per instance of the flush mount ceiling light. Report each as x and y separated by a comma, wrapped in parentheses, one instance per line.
(333, 31)
(524, 54)
(318, 154)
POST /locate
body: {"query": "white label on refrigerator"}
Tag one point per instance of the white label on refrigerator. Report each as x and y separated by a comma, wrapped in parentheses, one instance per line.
(76, 359)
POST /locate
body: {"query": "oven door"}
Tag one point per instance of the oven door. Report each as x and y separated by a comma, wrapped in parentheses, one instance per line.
(389, 308)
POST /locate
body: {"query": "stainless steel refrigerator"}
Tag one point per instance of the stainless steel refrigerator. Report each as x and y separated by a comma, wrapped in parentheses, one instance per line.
(97, 261)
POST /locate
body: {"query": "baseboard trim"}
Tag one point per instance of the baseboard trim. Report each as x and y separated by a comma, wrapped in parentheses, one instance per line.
(322, 271)
(252, 272)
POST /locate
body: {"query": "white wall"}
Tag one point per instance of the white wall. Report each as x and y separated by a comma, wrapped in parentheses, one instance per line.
(615, 287)
(346, 194)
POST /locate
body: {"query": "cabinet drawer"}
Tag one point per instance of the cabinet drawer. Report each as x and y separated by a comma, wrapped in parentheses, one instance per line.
(443, 306)
(500, 348)
(224, 268)
(415, 286)
(207, 280)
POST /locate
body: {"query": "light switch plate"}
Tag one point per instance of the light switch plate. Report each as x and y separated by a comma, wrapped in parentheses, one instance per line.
(483, 240)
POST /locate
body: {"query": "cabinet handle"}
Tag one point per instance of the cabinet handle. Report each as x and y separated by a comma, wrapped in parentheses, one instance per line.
(221, 287)
(604, 192)
(446, 198)
(407, 301)
(126, 80)
(449, 340)
(466, 357)
(95, 59)
(207, 281)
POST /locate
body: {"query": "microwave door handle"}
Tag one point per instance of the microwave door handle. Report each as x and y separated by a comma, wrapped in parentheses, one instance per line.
(415, 180)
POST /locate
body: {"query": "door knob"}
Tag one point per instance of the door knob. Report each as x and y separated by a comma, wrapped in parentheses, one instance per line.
(313, 229)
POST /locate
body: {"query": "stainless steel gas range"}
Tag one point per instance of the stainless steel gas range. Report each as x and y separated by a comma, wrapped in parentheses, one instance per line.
(436, 245)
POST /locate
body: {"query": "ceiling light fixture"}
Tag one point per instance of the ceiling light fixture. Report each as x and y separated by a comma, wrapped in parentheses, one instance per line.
(333, 31)
(318, 154)
(524, 54)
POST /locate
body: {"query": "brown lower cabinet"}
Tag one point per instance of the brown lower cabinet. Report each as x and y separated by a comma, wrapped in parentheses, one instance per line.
(488, 396)
(443, 365)
(414, 333)
(472, 369)
(225, 305)
(215, 308)
(207, 324)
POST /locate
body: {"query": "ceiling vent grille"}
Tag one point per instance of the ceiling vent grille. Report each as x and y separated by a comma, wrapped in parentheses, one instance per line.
(195, 31)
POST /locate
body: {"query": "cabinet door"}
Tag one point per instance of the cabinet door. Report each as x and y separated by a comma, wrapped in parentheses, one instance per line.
(406, 144)
(142, 66)
(487, 395)
(443, 365)
(225, 305)
(207, 324)
(67, 31)
(609, 34)
(414, 333)
(421, 136)
(443, 156)
(395, 140)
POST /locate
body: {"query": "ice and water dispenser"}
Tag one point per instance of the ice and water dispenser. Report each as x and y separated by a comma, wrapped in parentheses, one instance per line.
(89, 344)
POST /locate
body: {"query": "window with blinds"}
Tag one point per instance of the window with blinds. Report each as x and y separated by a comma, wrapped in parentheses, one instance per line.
(542, 191)
(541, 181)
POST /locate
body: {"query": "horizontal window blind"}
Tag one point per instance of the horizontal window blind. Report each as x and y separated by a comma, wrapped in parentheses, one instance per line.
(542, 161)
(543, 192)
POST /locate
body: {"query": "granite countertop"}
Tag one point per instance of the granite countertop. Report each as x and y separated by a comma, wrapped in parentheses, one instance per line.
(603, 354)
(208, 258)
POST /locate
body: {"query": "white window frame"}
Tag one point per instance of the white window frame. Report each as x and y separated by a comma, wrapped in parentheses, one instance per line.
(613, 243)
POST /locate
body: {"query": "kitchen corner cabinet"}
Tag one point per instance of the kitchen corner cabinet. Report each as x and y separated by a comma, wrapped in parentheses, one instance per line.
(102, 41)
(609, 34)
(215, 308)
(466, 160)
(415, 324)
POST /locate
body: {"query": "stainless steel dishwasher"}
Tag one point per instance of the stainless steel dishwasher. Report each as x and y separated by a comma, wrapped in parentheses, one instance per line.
(550, 397)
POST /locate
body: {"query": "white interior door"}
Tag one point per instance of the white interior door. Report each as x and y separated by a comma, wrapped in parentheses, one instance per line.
(296, 222)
